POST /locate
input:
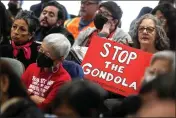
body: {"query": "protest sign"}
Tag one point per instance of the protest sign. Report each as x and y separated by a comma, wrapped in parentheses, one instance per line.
(116, 67)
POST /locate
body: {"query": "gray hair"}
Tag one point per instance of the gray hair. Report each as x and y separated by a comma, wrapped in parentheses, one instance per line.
(168, 55)
(30, 19)
(162, 42)
(59, 44)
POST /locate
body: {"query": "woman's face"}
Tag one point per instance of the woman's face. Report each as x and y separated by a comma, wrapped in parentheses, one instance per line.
(147, 32)
(19, 32)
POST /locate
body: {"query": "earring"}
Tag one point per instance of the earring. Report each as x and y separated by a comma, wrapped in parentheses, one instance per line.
(55, 68)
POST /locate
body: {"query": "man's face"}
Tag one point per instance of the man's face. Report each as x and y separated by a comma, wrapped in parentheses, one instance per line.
(49, 16)
(160, 66)
(88, 8)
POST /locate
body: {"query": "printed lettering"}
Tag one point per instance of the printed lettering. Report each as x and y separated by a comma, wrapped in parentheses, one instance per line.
(46, 87)
(88, 70)
(108, 76)
(106, 45)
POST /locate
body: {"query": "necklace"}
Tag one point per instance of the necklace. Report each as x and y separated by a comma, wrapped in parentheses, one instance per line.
(41, 86)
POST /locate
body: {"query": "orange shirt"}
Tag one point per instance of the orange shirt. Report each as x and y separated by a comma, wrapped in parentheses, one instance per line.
(72, 25)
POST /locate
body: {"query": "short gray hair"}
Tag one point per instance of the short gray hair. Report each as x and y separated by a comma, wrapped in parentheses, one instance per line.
(168, 55)
(162, 42)
(59, 44)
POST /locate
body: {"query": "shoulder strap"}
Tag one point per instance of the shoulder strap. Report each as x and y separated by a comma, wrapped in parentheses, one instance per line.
(69, 21)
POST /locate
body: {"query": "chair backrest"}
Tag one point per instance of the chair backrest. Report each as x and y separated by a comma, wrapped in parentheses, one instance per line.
(16, 65)
(74, 69)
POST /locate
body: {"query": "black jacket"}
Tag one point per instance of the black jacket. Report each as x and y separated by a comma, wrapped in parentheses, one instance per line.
(41, 33)
(7, 51)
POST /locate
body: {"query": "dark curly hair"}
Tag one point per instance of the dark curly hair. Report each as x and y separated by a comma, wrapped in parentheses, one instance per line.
(30, 18)
(161, 42)
(169, 13)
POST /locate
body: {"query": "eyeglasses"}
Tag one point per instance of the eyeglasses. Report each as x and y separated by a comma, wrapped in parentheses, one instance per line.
(148, 29)
(104, 13)
(40, 49)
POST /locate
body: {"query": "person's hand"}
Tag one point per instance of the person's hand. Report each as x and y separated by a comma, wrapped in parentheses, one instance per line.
(37, 99)
(124, 41)
(106, 28)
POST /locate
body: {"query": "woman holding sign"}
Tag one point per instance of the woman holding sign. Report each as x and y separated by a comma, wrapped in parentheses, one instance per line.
(149, 36)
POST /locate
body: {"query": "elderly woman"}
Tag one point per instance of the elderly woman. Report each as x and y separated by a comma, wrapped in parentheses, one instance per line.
(166, 13)
(148, 35)
(14, 100)
(22, 45)
(43, 78)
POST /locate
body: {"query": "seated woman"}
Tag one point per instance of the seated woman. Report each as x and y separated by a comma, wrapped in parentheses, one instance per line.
(22, 47)
(14, 100)
(149, 36)
(166, 13)
(43, 78)
(78, 99)
(106, 22)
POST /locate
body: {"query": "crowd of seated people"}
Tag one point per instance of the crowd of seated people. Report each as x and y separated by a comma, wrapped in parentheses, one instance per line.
(42, 49)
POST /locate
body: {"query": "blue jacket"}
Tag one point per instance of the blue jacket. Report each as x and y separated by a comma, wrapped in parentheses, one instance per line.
(74, 69)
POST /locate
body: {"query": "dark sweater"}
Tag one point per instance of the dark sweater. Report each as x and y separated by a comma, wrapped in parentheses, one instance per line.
(7, 51)
(74, 69)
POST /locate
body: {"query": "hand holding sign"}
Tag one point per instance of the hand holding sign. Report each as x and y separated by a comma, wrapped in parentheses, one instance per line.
(116, 67)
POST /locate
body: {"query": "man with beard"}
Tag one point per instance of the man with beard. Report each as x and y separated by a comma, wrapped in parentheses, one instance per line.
(51, 21)
(14, 6)
(87, 11)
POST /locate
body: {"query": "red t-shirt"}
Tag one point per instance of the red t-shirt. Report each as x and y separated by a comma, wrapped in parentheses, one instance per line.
(44, 84)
